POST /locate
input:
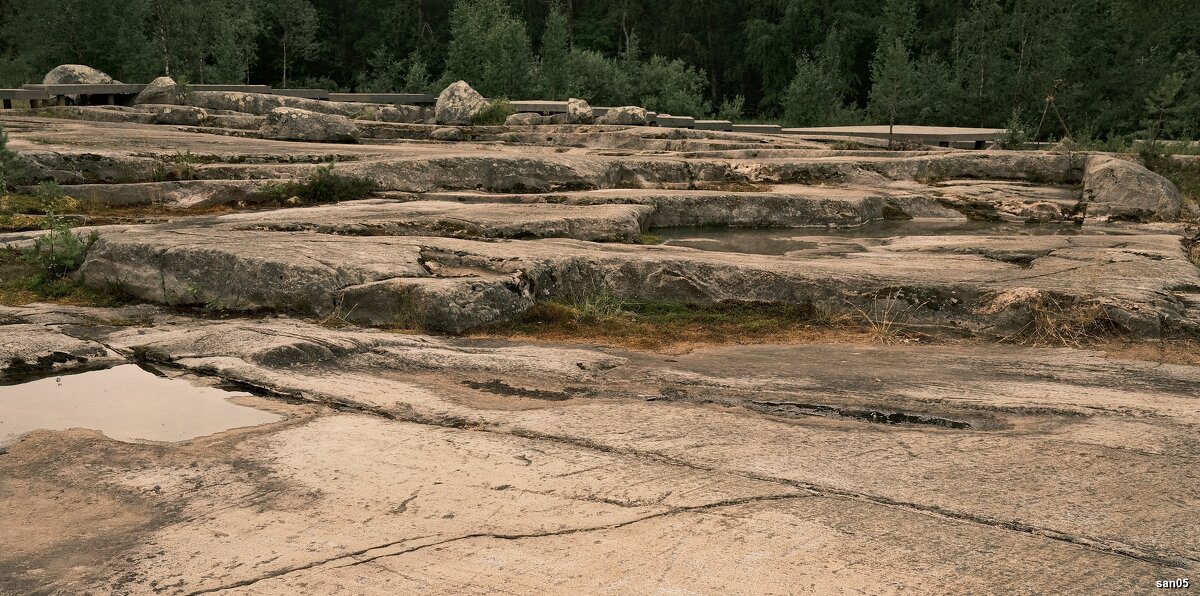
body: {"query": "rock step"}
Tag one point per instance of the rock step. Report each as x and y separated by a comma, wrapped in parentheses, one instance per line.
(377, 217)
(448, 284)
(807, 206)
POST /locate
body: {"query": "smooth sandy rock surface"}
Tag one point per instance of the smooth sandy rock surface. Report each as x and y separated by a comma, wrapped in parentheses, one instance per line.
(465, 466)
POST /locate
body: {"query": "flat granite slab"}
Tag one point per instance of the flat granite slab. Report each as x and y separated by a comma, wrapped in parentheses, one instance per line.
(411, 463)
(1142, 284)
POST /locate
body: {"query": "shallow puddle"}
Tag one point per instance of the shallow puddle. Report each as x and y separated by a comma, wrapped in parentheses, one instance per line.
(126, 403)
(778, 241)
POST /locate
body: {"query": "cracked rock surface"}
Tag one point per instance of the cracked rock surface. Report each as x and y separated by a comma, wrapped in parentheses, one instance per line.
(414, 453)
(412, 463)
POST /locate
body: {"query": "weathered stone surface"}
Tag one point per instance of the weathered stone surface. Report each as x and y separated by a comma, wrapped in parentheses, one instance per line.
(603, 223)
(617, 467)
(175, 114)
(32, 349)
(1120, 190)
(180, 194)
(1133, 282)
(162, 90)
(523, 119)
(458, 104)
(292, 124)
(624, 116)
(446, 134)
(390, 113)
(76, 74)
(579, 112)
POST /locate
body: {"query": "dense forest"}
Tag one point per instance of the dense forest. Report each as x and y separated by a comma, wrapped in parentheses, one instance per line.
(1114, 67)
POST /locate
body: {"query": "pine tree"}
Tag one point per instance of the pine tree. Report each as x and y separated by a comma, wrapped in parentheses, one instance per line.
(816, 94)
(891, 80)
(1161, 106)
(891, 69)
(555, 76)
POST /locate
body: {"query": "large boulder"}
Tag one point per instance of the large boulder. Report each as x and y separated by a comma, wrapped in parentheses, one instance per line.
(458, 104)
(77, 74)
(162, 90)
(1120, 190)
(578, 112)
(294, 124)
(625, 116)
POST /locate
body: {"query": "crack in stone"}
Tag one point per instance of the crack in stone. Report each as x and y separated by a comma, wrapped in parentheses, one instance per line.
(1090, 543)
(495, 535)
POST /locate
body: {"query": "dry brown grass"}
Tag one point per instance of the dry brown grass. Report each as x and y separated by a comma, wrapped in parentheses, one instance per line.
(1185, 351)
(674, 327)
(1059, 322)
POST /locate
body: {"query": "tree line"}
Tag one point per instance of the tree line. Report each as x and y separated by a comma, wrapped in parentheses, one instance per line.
(1113, 67)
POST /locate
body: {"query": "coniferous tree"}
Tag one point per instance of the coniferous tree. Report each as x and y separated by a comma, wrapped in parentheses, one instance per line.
(892, 90)
(891, 79)
(816, 94)
(555, 76)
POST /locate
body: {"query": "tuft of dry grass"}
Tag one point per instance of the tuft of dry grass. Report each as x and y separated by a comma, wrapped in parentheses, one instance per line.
(1059, 322)
(887, 317)
(673, 326)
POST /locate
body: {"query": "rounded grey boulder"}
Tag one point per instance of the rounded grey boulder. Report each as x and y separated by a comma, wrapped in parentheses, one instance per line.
(294, 124)
(77, 74)
(162, 90)
(458, 103)
(1121, 190)
(578, 112)
(523, 119)
(625, 115)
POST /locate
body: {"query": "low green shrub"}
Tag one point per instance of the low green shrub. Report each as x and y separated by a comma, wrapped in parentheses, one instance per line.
(324, 185)
(497, 111)
(60, 252)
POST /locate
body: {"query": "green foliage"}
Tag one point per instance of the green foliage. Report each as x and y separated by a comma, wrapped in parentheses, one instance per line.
(1016, 132)
(671, 87)
(891, 81)
(554, 73)
(293, 25)
(496, 112)
(324, 185)
(60, 251)
(417, 78)
(816, 95)
(599, 79)
(489, 49)
(971, 62)
(813, 97)
(731, 109)
(386, 74)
